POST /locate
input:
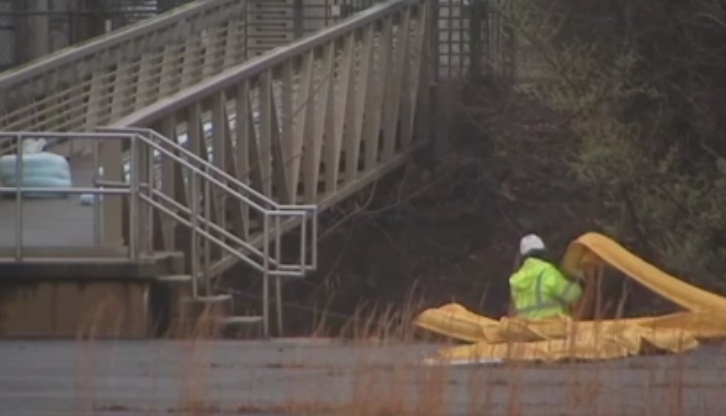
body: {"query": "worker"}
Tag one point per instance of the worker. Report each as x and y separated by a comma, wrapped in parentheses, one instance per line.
(539, 290)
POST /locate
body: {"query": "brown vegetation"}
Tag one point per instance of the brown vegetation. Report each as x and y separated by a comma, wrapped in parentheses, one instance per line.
(399, 385)
(618, 130)
(640, 85)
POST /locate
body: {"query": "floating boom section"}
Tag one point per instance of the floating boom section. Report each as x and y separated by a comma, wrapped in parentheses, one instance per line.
(562, 338)
(591, 246)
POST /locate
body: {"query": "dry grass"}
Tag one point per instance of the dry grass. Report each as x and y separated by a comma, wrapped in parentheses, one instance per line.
(398, 386)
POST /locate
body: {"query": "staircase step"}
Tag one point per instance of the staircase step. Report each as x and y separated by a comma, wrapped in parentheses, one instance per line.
(174, 278)
(208, 299)
(240, 320)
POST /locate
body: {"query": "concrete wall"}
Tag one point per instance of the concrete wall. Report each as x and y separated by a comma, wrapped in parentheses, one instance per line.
(99, 309)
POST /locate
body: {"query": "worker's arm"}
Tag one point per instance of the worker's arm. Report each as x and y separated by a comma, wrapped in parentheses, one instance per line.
(511, 306)
(560, 287)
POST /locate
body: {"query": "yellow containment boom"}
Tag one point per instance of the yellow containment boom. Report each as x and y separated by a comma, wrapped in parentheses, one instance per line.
(562, 338)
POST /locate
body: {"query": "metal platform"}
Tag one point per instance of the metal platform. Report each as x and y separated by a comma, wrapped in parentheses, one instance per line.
(52, 222)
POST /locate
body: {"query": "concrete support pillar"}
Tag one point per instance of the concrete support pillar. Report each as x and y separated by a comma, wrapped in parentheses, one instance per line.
(8, 29)
(35, 37)
(86, 19)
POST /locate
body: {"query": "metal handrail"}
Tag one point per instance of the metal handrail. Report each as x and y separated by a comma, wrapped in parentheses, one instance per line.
(270, 266)
(197, 172)
(200, 170)
(280, 271)
(210, 167)
(275, 207)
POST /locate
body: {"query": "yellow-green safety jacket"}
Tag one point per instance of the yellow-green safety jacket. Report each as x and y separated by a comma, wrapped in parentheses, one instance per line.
(540, 291)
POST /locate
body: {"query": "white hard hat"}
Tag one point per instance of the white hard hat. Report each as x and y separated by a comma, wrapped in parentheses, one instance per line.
(530, 242)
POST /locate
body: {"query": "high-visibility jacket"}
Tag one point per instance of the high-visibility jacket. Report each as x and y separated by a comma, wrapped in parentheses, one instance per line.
(540, 291)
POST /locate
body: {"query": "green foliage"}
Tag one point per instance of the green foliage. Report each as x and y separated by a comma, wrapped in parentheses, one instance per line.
(641, 85)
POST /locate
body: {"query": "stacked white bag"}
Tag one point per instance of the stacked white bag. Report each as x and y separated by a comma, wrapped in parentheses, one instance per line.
(40, 170)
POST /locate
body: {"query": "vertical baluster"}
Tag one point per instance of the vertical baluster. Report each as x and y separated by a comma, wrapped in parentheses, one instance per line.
(278, 279)
(152, 188)
(133, 199)
(265, 275)
(207, 220)
(96, 199)
(194, 237)
(19, 199)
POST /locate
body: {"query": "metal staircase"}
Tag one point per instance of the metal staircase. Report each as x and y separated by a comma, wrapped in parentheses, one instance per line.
(225, 155)
(262, 223)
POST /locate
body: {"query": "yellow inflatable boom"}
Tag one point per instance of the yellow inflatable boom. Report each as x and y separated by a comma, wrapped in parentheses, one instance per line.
(558, 339)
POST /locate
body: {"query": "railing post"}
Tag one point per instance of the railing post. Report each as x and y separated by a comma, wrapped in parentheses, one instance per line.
(151, 178)
(142, 164)
(278, 279)
(194, 238)
(19, 198)
(314, 241)
(112, 212)
(303, 241)
(266, 275)
(96, 199)
(134, 199)
(207, 221)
